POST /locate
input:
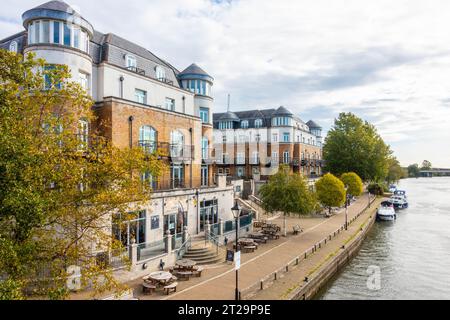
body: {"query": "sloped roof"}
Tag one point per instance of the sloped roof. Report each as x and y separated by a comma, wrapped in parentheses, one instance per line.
(312, 124)
(282, 111)
(226, 116)
(194, 69)
(56, 5)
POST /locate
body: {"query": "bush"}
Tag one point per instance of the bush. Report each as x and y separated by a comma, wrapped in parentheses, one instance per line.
(376, 189)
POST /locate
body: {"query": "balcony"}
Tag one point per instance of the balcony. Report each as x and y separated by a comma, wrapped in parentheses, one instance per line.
(165, 80)
(136, 70)
(175, 152)
(177, 184)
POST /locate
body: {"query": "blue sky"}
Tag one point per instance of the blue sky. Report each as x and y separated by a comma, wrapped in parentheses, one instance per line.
(386, 61)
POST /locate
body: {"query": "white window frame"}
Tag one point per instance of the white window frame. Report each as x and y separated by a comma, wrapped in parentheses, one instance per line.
(14, 46)
(130, 61)
(137, 97)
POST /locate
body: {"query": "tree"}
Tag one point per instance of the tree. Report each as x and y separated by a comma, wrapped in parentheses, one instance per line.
(287, 193)
(353, 145)
(426, 165)
(353, 182)
(60, 185)
(413, 170)
(395, 171)
(330, 191)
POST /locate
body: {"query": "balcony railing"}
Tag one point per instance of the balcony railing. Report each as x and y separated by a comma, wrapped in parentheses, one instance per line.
(136, 70)
(176, 152)
(183, 183)
(165, 80)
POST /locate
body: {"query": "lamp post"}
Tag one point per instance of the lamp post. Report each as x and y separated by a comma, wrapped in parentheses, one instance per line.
(369, 198)
(236, 209)
(346, 207)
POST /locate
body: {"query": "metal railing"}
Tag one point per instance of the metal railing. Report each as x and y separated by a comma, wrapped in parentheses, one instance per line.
(136, 70)
(173, 151)
(151, 249)
(185, 246)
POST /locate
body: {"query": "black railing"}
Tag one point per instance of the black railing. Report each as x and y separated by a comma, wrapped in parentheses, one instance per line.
(165, 80)
(174, 151)
(136, 70)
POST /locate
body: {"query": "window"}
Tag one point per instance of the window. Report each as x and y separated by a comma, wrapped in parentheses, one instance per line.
(131, 227)
(147, 178)
(240, 159)
(205, 148)
(31, 33)
(56, 32)
(286, 158)
(147, 139)
(37, 32)
(224, 138)
(140, 96)
(46, 31)
(130, 61)
(176, 144)
(204, 115)
(84, 80)
(49, 82)
(286, 137)
(13, 47)
(83, 133)
(258, 123)
(275, 137)
(274, 157)
(281, 121)
(225, 125)
(170, 104)
(244, 124)
(160, 73)
(67, 35)
(204, 176)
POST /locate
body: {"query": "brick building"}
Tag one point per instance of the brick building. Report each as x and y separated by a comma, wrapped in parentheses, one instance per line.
(141, 100)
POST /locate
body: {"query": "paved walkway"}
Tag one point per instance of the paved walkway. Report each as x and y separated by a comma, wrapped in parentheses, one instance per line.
(218, 283)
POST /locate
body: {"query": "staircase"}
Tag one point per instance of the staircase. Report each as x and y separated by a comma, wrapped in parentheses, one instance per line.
(204, 254)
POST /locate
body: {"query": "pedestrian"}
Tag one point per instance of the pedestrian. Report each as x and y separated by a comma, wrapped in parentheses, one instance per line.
(161, 265)
(225, 241)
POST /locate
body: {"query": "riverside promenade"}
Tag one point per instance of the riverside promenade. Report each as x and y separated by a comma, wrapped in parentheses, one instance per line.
(218, 282)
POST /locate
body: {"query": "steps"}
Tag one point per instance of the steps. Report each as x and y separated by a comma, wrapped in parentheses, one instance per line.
(203, 255)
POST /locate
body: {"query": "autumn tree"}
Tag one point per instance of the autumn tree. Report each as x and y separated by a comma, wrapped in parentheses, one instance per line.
(354, 145)
(353, 182)
(330, 191)
(287, 193)
(60, 184)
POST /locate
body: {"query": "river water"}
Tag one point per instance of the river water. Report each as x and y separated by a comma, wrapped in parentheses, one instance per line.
(405, 259)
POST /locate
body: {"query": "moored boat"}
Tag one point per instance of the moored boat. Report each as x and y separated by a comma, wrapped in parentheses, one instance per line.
(386, 212)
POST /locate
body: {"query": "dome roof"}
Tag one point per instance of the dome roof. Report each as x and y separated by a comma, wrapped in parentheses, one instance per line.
(57, 6)
(58, 10)
(194, 71)
(282, 111)
(312, 125)
(229, 116)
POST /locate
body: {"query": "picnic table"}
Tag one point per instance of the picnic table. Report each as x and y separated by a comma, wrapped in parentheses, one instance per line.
(187, 264)
(157, 279)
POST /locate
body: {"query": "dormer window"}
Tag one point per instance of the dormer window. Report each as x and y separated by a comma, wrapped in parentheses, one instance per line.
(13, 47)
(223, 125)
(160, 73)
(258, 123)
(244, 124)
(130, 61)
(281, 121)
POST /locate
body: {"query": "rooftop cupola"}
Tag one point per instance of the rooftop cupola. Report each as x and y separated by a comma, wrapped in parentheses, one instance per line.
(195, 79)
(282, 117)
(55, 22)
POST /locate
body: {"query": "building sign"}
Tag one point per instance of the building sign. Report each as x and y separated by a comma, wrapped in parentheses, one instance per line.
(237, 260)
(154, 222)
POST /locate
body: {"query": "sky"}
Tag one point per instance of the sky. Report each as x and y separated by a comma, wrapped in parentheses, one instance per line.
(386, 61)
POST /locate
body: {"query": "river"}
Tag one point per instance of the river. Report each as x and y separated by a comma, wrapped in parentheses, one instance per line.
(405, 259)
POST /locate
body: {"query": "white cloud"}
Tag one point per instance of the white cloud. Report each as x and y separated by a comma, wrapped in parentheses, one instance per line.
(384, 60)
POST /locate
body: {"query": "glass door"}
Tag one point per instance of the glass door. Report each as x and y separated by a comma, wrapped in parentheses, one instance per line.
(204, 176)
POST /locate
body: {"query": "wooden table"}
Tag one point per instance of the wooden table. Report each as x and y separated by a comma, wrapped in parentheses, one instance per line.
(160, 277)
(186, 264)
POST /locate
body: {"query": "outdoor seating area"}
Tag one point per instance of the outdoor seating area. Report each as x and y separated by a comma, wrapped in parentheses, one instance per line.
(268, 231)
(167, 281)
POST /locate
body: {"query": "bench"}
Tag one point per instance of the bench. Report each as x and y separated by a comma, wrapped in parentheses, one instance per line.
(261, 240)
(249, 248)
(148, 288)
(171, 287)
(198, 272)
(184, 275)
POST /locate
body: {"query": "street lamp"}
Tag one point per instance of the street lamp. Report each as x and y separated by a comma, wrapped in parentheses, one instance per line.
(369, 199)
(346, 207)
(236, 209)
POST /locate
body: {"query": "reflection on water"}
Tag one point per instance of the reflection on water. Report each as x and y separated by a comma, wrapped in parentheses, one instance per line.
(413, 253)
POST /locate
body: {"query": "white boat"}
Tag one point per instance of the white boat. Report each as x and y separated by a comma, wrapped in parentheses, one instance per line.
(386, 213)
(392, 188)
(398, 202)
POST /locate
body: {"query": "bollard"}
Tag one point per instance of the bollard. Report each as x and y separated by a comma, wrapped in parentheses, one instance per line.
(287, 268)
(262, 284)
(325, 241)
(306, 255)
(275, 275)
(296, 261)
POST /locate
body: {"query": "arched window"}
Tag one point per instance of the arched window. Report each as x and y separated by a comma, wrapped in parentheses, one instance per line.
(13, 47)
(244, 124)
(205, 147)
(258, 123)
(160, 73)
(148, 138)
(176, 143)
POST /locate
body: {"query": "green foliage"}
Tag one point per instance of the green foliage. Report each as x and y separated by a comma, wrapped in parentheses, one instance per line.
(330, 191)
(413, 170)
(353, 145)
(58, 191)
(376, 189)
(395, 172)
(354, 183)
(426, 165)
(287, 193)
